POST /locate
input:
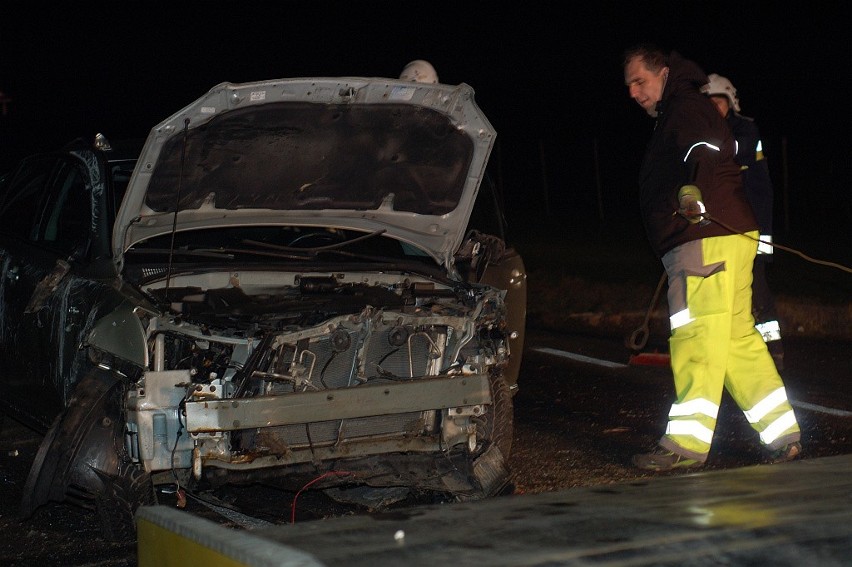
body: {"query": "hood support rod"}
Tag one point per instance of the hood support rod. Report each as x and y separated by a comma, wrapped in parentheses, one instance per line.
(177, 204)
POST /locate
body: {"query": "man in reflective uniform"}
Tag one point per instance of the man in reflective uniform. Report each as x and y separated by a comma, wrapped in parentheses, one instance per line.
(759, 191)
(701, 225)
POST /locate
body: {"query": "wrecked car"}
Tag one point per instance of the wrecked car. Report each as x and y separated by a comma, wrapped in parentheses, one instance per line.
(294, 281)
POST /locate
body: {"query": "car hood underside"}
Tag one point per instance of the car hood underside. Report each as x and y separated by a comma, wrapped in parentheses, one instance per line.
(365, 154)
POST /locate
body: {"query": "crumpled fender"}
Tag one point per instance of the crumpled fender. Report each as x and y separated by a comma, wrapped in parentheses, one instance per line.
(82, 449)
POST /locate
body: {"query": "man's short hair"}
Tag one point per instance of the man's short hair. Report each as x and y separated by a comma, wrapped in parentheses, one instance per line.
(653, 57)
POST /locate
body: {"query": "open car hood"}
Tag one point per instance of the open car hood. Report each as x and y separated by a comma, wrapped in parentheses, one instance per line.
(356, 153)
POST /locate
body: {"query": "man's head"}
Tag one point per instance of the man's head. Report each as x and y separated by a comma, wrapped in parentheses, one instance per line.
(645, 74)
(722, 93)
(419, 71)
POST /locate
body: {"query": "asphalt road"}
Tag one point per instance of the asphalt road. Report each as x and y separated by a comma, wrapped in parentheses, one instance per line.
(581, 411)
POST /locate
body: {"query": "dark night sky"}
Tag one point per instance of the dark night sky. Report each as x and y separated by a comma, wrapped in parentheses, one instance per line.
(123, 66)
(546, 76)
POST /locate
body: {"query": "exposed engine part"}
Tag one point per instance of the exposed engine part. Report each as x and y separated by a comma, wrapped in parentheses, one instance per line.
(354, 385)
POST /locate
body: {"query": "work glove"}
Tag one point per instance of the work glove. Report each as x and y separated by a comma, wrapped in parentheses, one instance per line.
(691, 207)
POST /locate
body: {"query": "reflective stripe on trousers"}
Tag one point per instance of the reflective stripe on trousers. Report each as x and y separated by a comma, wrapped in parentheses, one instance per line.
(714, 345)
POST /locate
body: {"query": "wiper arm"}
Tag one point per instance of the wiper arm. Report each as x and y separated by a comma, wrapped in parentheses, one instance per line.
(309, 253)
(198, 252)
(335, 246)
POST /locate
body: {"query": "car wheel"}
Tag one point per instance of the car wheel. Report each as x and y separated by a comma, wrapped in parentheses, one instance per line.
(496, 429)
(499, 424)
(123, 493)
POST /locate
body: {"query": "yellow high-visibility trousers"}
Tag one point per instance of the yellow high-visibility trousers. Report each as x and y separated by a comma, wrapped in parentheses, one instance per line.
(714, 345)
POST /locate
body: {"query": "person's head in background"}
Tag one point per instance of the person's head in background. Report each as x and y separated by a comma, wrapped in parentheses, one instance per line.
(419, 71)
(723, 94)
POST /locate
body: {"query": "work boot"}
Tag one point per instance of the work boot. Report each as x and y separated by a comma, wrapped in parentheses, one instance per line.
(786, 453)
(661, 459)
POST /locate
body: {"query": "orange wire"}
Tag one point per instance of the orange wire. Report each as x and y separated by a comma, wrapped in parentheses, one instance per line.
(317, 479)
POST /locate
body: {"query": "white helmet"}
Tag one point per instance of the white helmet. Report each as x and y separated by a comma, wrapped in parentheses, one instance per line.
(720, 85)
(419, 71)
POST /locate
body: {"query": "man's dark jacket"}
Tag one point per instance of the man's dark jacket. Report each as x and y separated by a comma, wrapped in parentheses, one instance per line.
(691, 144)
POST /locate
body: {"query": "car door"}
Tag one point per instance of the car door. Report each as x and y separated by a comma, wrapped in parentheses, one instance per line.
(45, 220)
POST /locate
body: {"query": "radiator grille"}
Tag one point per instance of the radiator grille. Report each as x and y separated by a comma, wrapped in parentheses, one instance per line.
(329, 367)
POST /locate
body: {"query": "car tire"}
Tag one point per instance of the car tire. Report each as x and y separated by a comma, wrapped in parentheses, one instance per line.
(499, 424)
(496, 428)
(124, 493)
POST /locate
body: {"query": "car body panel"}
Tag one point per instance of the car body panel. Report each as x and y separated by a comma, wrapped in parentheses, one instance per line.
(510, 273)
(344, 152)
(46, 297)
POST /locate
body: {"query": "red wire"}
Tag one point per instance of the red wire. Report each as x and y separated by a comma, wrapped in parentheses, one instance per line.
(317, 479)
